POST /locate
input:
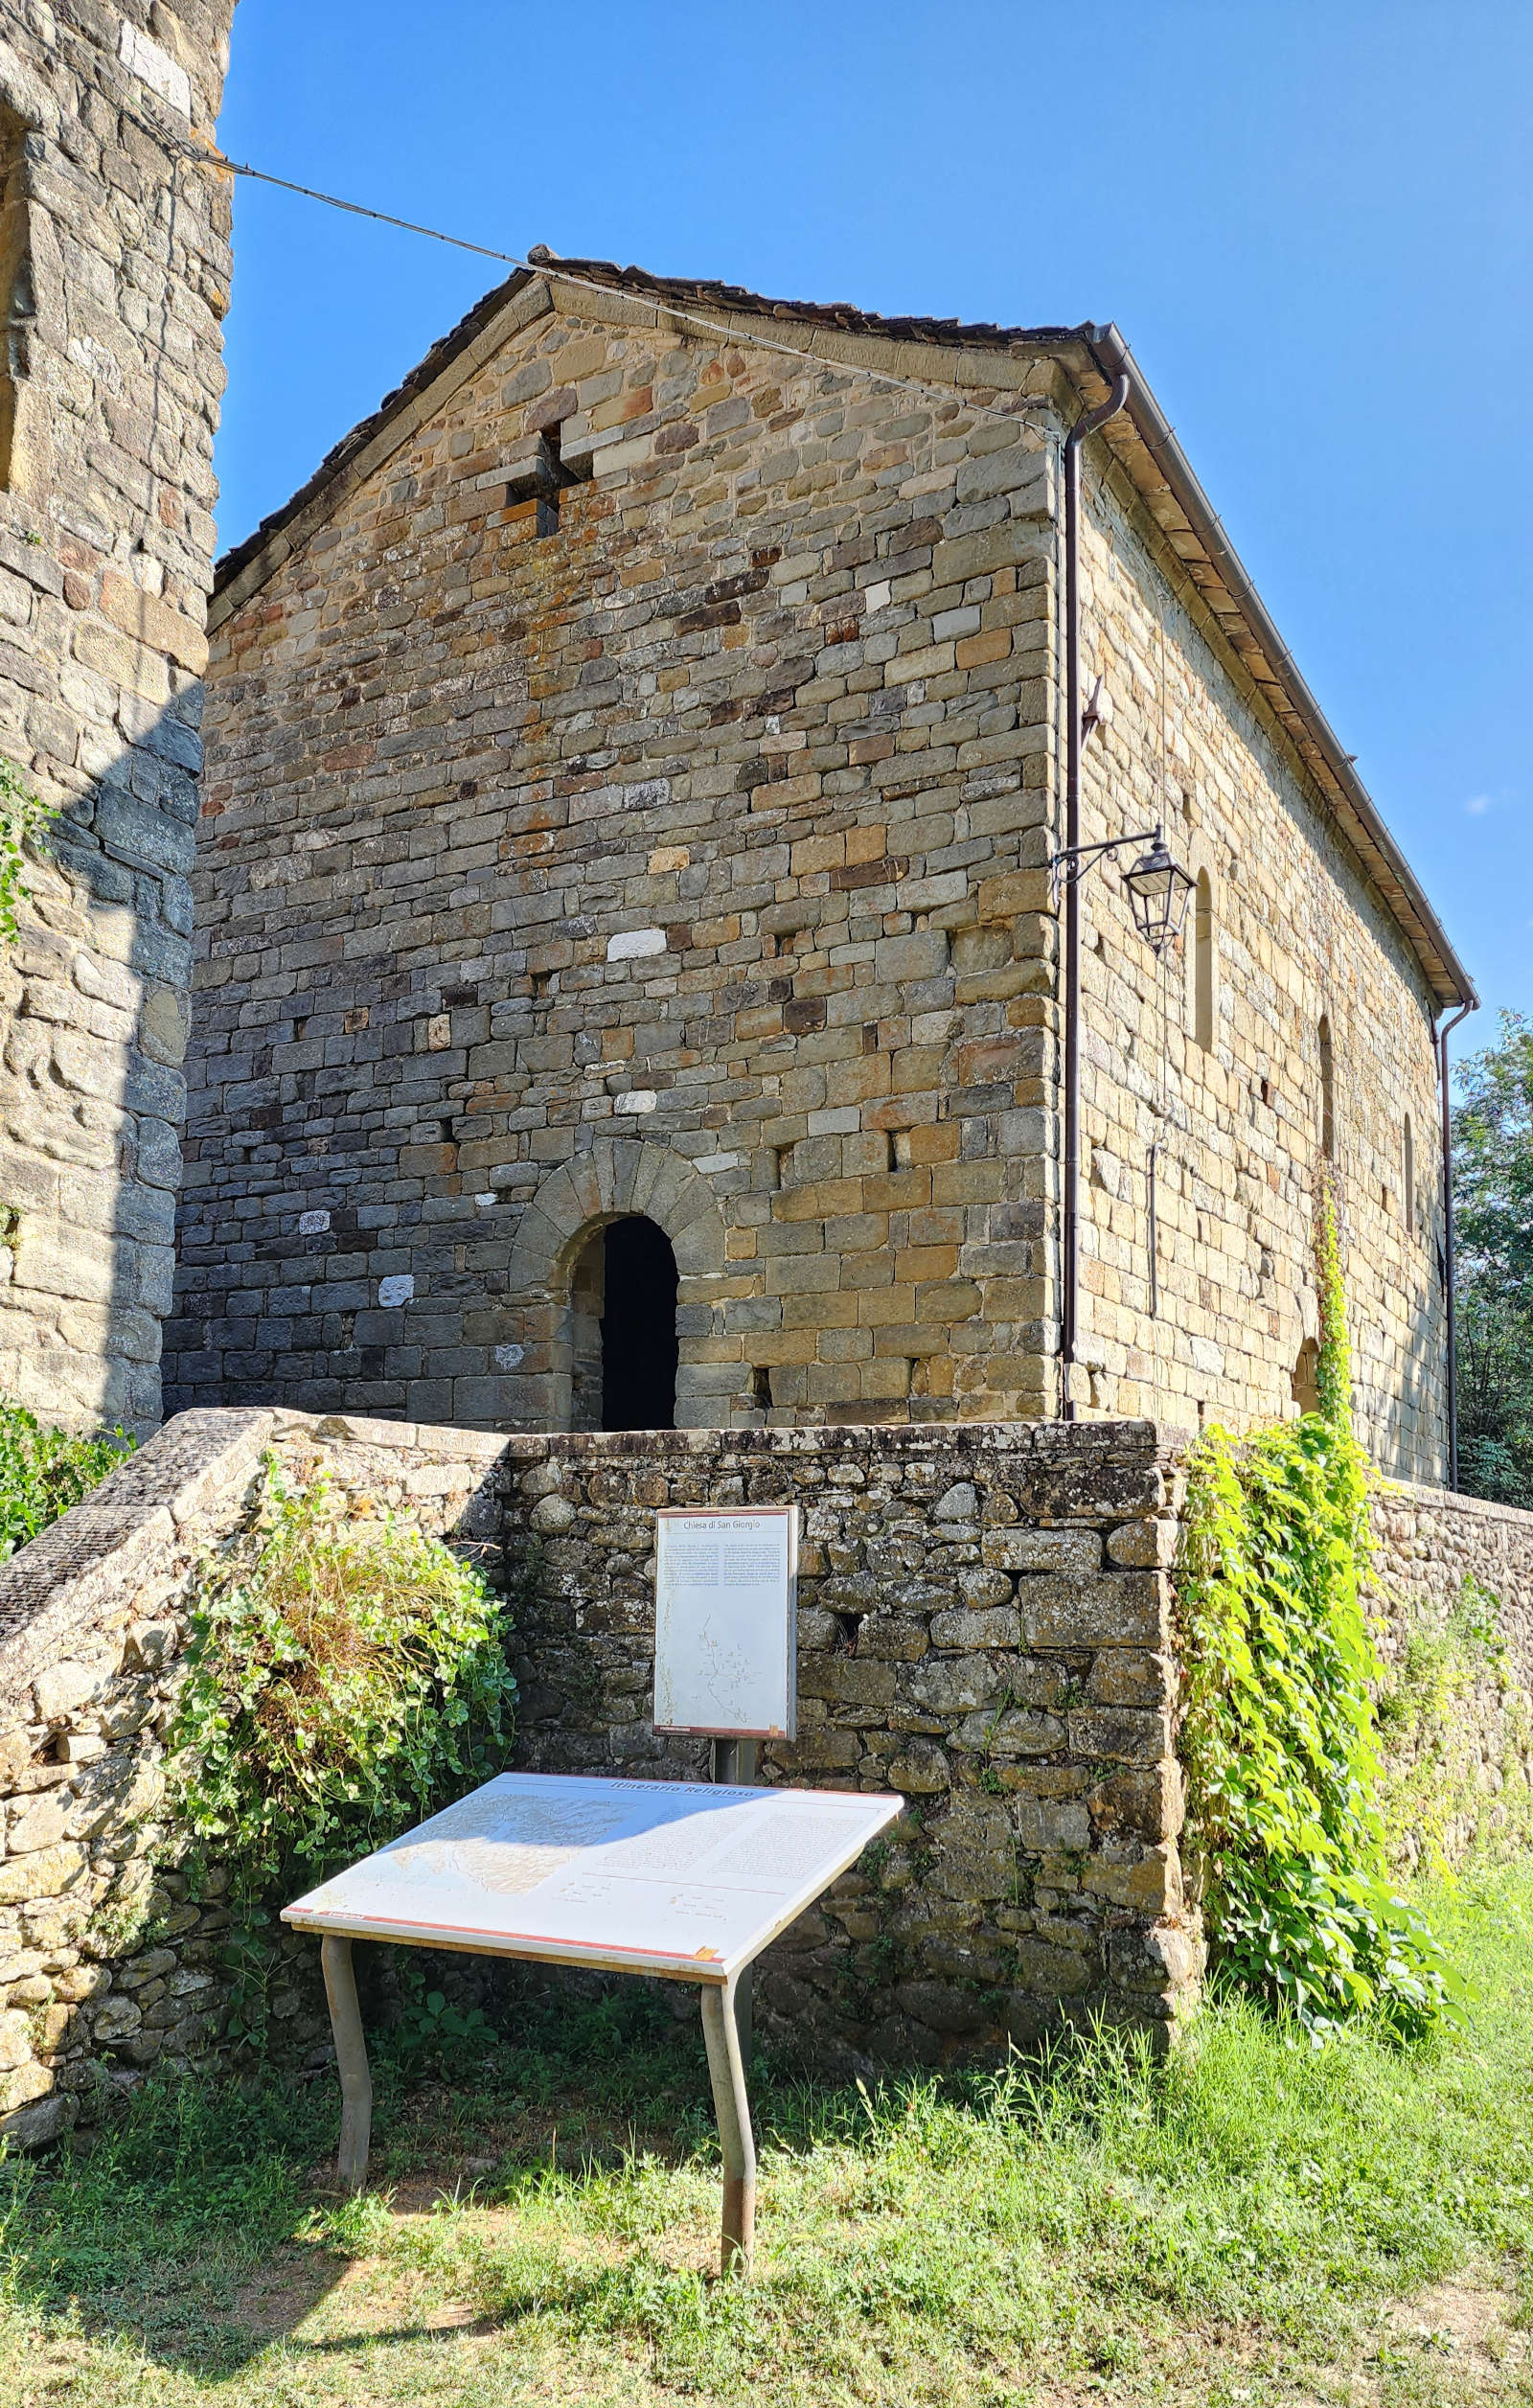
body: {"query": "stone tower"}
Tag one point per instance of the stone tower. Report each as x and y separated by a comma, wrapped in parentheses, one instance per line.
(114, 276)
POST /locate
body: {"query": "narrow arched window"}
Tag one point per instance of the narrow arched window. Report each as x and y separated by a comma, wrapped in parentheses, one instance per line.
(1327, 1092)
(1409, 1168)
(1204, 964)
(17, 308)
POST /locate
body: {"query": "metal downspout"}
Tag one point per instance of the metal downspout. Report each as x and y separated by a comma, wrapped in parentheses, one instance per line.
(1450, 1278)
(1070, 1217)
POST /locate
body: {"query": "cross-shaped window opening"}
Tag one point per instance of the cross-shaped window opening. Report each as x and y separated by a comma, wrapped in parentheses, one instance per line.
(546, 475)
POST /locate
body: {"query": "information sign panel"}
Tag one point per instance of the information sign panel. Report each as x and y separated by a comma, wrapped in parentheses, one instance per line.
(727, 1622)
(675, 1877)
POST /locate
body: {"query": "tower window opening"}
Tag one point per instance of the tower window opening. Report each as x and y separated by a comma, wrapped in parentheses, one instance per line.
(18, 303)
(1408, 1170)
(1327, 1092)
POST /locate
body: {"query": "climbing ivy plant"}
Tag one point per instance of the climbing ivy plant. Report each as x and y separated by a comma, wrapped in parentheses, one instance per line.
(1280, 1735)
(23, 816)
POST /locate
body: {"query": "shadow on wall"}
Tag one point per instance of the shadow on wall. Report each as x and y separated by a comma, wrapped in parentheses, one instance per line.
(94, 1013)
(1422, 1408)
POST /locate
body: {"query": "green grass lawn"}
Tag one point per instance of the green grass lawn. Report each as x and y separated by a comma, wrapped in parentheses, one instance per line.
(1252, 2221)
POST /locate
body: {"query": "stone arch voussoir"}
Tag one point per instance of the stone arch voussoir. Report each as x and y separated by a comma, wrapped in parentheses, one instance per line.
(616, 1177)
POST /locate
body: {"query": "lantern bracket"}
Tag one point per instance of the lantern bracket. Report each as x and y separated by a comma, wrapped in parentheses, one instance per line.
(1158, 929)
(1076, 860)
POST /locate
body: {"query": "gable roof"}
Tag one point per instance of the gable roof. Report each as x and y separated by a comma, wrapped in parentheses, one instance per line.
(1092, 356)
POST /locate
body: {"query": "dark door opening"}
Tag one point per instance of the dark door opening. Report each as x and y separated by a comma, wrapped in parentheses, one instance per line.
(638, 1328)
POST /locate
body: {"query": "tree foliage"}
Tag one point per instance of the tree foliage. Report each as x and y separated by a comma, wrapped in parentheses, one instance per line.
(1492, 1196)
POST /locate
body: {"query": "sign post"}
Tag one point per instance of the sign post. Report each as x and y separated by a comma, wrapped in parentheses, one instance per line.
(727, 1642)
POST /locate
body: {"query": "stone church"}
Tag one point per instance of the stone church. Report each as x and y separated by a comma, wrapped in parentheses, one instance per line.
(632, 985)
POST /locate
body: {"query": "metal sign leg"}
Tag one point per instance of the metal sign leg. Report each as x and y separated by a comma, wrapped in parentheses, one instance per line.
(351, 2056)
(727, 2068)
(734, 1765)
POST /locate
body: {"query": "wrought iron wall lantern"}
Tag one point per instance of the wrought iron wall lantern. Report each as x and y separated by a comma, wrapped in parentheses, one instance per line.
(1158, 886)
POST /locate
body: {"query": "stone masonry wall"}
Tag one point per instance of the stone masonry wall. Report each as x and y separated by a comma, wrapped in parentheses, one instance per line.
(106, 1966)
(114, 264)
(1233, 1088)
(715, 818)
(1428, 1541)
(983, 1625)
(108, 1962)
(691, 859)
(1458, 1716)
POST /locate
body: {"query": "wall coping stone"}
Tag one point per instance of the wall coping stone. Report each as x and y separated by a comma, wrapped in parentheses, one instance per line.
(83, 1568)
(1456, 1501)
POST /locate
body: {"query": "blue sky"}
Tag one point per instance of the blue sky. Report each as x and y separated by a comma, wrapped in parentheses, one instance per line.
(1312, 218)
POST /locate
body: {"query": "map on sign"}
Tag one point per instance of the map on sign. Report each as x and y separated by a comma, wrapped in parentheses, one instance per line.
(654, 1876)
(726, 1621)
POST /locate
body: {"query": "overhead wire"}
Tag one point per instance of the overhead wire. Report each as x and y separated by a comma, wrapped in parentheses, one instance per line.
(928, 389)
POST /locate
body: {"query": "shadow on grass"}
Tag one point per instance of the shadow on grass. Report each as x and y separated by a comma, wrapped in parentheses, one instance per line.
(1085, 2209)
(198, 2219)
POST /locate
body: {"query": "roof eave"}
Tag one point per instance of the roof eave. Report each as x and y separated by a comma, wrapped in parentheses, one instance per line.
(1362, 823)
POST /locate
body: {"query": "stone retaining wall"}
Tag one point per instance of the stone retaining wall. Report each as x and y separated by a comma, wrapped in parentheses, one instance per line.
(1458, 1714)
(984, 1625)
(1428, 1541)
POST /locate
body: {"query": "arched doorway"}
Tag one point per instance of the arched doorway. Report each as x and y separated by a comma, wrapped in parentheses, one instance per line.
(619, 1178)
(622, 1310)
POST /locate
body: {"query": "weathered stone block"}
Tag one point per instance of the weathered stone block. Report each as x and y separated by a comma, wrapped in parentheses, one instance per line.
(1116, 1610)
(1019, 1549)
(47, 1873)
(1124, 1733)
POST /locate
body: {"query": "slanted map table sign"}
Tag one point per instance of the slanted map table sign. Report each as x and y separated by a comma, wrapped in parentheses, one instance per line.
(725, 1623)
(685, 1880)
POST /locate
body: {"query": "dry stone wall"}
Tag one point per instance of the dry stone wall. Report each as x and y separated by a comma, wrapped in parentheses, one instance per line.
(114, 272)
(106, 1965)
(983, 1627)
(110, 1956)
(1428, 1541)
(1454, 1577)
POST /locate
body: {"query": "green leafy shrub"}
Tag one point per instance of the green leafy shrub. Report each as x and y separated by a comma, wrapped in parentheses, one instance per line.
(433, 2034)
(1280, 1735)
(44, 1471)
(346, 1676)
(23, 817)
